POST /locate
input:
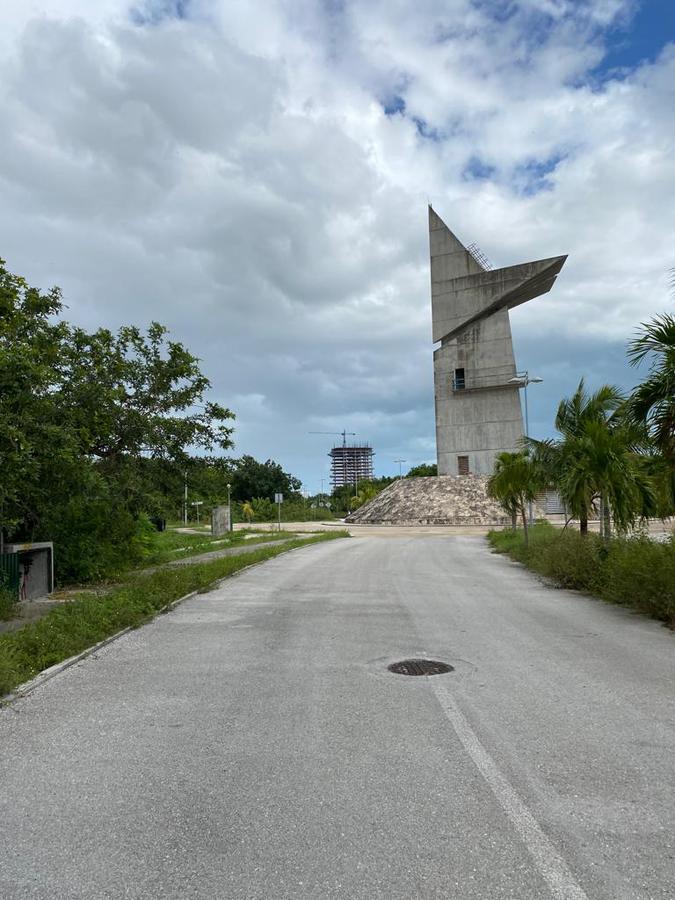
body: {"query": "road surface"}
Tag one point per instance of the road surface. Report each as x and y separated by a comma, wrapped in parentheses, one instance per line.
(252, 744)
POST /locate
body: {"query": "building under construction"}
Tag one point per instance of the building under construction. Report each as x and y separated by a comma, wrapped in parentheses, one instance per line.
(349, 465)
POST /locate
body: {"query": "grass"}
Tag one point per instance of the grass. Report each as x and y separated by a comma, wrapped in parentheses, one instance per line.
(73, 627)
(635, 572)
(8, 604)
(171, 545)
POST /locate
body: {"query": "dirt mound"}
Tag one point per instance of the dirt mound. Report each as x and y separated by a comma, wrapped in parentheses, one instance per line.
(442, 500)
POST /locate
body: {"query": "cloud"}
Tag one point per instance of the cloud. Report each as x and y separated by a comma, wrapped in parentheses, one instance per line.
(256, 178)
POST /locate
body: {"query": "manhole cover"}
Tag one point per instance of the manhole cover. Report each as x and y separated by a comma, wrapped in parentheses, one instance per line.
(420, 667)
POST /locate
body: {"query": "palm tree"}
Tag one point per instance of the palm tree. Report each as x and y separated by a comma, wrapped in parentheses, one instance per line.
(653, 402)
(514, 483)
(597, 459)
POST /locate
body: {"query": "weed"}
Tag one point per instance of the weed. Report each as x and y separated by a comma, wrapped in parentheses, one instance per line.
(635, 572)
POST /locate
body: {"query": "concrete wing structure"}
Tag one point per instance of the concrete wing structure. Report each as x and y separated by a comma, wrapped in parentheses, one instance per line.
(478, 413)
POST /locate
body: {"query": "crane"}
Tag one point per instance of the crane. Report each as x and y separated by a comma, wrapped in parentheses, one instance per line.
(343, 434)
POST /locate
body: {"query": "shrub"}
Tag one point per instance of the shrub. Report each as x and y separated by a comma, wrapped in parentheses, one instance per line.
(641, 573)
(635, 572)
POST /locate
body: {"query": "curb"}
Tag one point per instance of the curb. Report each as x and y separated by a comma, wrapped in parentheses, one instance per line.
(23, 690)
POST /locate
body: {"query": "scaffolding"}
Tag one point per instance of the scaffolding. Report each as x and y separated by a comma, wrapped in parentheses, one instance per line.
(349, 465)
(479, 256)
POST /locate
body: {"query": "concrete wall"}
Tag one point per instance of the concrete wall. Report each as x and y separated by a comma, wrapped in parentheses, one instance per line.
(220, 520)
(485, 418)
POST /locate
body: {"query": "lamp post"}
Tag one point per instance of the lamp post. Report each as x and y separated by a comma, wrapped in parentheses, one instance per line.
(197, 503)
(522, 379)
(229, 506)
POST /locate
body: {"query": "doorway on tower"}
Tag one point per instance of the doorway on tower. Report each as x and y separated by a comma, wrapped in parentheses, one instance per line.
(462, 465)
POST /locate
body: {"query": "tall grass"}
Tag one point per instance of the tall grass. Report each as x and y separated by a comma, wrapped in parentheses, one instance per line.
(635, 572)
(69, 629)
(8, 602)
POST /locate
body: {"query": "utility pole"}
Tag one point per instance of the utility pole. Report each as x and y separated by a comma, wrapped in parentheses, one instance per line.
(185, 499)
(400, 462)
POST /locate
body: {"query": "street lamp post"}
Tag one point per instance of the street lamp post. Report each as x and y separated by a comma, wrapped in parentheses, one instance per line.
(197, 503)
(229, 506)
(522, 379)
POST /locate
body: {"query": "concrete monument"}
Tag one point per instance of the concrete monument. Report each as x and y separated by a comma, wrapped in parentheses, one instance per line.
(478, 413)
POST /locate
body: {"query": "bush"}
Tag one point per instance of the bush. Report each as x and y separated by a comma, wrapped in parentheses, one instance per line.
(641, 573)
(635, 572)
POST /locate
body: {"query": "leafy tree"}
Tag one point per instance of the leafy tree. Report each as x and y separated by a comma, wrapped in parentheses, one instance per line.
(253, 479)
(514, 484)
(424, 470)
(30, 345)
(82, 417)
(131, 393)
(653, 402)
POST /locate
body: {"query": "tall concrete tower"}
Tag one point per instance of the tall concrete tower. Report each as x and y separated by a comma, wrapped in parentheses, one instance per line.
(478, 412)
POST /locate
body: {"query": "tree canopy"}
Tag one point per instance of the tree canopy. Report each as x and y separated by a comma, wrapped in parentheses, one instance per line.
(252, 479)
(81, 416)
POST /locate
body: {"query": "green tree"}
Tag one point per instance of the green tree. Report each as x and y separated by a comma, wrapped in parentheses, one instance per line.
(424, 470)
(30, 346)
(81, 418)
(597, 459)
(130, 393)
(514, 484)
(652, 403)
(253, 479)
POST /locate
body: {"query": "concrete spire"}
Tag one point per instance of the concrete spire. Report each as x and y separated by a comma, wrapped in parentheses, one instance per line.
(478, 412)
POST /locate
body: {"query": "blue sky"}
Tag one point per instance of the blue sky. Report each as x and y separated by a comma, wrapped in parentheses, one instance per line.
(642, 37)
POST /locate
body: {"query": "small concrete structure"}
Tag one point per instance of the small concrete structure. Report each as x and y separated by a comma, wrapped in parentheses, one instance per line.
(36, 568)
(220, 520)
(478, 413)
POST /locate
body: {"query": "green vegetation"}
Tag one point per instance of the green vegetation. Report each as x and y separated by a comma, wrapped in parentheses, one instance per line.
(598, 459)
(83, 418)
(294, 509)
(8, 603)
(514, 484)
(653, 402)
(424, 470)
(171, 545)
(99, 436)
(635, 572)
(73, 627)
(615, 456)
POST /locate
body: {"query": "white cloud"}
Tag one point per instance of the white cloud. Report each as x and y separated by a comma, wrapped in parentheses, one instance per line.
(234, 175)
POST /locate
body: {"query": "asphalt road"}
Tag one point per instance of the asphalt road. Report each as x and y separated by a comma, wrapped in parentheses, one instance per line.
(251, 743)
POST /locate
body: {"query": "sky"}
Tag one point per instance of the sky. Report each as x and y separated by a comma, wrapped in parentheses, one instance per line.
(256, 177)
